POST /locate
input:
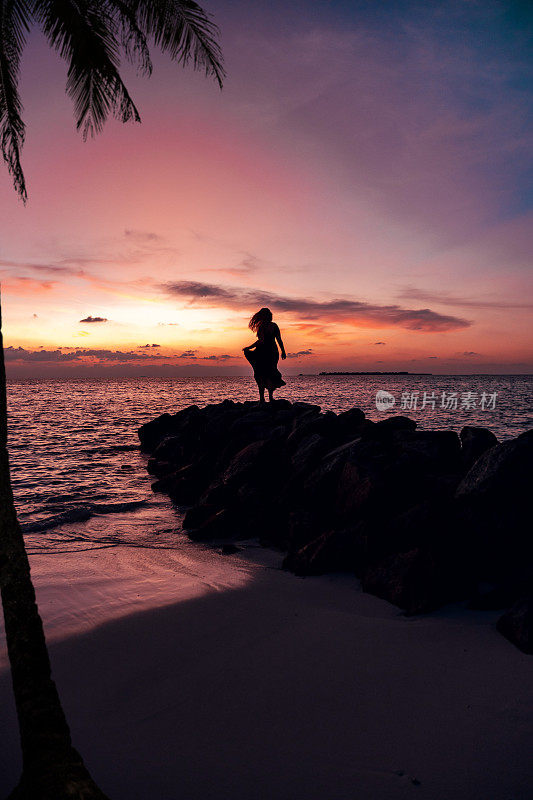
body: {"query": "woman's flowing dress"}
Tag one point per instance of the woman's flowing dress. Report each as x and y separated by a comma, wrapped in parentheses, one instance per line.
(264, 359)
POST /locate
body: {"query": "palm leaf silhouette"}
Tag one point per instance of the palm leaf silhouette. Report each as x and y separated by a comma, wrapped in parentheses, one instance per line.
(14, 19)
(91, 37)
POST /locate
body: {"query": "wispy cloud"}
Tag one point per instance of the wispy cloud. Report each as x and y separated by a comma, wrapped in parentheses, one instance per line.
(62, 355)
(447, 299)
(248, 265)
(21, 354)
(349, 311)
(300, 353)
(26, 285)
(132, 247)
(192, 355)
(142, 236)
(59, 270)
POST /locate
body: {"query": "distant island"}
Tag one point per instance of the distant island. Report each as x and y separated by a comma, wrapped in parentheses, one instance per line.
(375, 373)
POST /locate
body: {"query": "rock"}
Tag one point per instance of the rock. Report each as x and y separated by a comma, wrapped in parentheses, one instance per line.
(304, 408)
(198, 515)
(229, 549)
(332, 551)
(517, 625)
(343, 450)
(493, 597)
(506, 467)
(303, 526)
(153, 432)
(386, 427)
(257, 515)
(382, 499)
(256, 426)
(439, 451)
(218, 495)
(474, 442)
(374, 482)
(493, 511)
(352, 422)
(285, 417)
(308, 452)
(252, 464)
(159, 468)
(219, 525)
(281, 404)
(352, 418)
(164, 484)
(326, 425)
(185, 423)
(218, 427)
(423, 525)
(169, 449)
(354, 488)
(318, 488)
(187, 484)
(408, 580)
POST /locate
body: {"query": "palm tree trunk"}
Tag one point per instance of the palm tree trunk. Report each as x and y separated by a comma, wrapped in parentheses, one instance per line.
(52, 769)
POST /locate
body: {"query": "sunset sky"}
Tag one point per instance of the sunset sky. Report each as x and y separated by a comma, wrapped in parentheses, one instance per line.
(365, 172)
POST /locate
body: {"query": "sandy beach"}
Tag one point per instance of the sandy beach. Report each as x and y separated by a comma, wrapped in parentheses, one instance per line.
(185, 673)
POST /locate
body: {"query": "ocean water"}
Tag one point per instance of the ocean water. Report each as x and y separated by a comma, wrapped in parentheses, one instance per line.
(80, 481)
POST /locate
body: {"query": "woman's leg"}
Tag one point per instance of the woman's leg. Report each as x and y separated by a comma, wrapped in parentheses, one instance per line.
(271, 395)
(261, 393)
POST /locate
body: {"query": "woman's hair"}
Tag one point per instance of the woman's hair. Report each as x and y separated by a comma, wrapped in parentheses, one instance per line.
(263, 315)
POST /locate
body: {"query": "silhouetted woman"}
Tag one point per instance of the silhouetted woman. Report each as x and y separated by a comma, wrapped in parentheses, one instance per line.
(263, 354)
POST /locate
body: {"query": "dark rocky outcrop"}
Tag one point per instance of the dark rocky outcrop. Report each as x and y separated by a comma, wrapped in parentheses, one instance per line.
(517, 624)
(474, 442)
(410, 580)
(422, 517)
(492, 510)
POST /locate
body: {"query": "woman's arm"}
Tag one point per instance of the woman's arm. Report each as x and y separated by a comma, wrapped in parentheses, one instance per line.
(259, 340)
(280, 342)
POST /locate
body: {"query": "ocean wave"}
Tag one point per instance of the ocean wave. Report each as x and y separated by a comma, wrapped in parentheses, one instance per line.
(113, 508)
(80, 514)
(109, 449)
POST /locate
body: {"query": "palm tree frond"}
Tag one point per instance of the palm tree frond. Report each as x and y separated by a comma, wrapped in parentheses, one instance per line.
(132, 38)
(185, 31)
(85, 35)
(13, 28)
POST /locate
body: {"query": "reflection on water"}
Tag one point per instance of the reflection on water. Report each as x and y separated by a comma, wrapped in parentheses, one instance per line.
(80, 481)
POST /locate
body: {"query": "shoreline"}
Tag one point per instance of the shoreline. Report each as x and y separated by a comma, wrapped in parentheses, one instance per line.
(237, 679)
